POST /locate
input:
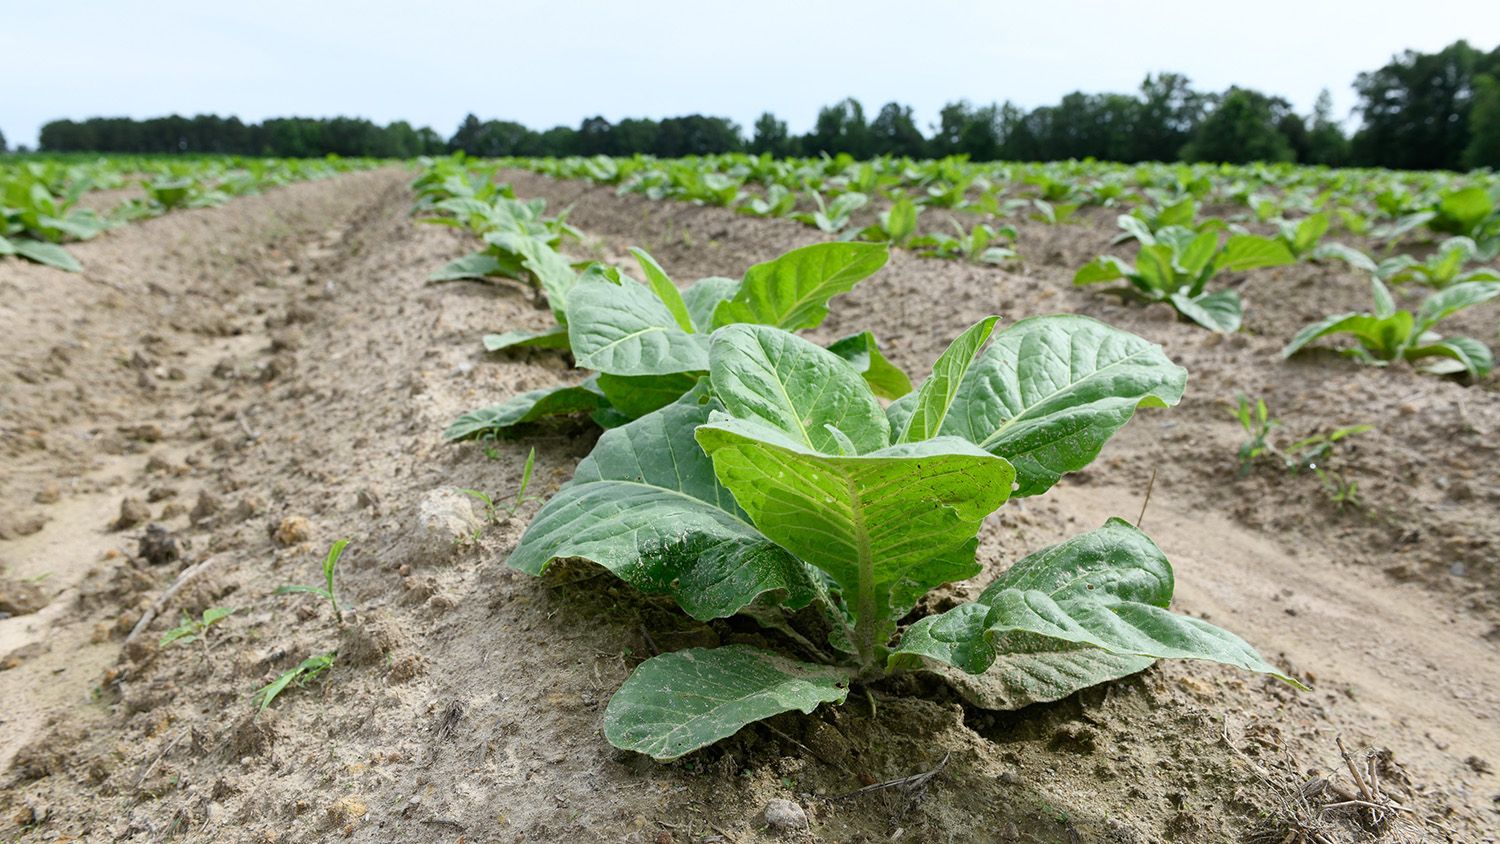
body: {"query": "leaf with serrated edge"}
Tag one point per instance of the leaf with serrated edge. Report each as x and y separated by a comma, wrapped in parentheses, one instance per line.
(678, 702)
(1050, 391)
(645, 504)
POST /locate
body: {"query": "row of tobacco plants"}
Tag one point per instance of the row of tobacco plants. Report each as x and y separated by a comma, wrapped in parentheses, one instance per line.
(744, 470)
(39, 198)
(1264, 216)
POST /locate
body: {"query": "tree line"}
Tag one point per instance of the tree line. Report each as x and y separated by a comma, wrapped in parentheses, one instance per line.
(1419, 111)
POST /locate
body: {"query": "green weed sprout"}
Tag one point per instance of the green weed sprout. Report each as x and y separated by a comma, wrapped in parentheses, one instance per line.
(330, 562)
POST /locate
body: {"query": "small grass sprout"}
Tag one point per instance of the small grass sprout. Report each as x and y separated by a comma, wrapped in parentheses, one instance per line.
(192, 629)
(306, 671)
(330, 563)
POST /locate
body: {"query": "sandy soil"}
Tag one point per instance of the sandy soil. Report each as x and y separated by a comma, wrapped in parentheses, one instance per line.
(263, 378)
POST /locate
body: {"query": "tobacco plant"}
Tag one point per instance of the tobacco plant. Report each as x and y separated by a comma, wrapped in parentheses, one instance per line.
(1391, 334)
(648, 343)
(1175, 265)
(779, 488)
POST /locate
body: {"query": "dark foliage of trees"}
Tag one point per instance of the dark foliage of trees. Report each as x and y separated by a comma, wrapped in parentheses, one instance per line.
(291, 137)
(1417, 109)
(1439, 110)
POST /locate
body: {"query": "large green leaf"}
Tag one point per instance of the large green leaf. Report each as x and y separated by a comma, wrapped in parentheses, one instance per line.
(704, 295)
(664, 288)
(1382, 337)
(553, 272)
(863, 353)
(1103, 268)
(553, 338)
(499, 419)
(626, 330)
(479, 265)
(886, 526)
(1248, 252)
(792, 291)
(678, 702)
(1219, 311)
(1050, 391)
(923, 416)
(49, 254)
(1038, 670)
(645, 504)
(1466, 208)
(1453, 355)
(1450, 300)
(637, 395)
(796, 387)
(1107, 589)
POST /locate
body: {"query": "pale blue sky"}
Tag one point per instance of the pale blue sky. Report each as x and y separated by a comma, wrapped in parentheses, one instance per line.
(546, 63)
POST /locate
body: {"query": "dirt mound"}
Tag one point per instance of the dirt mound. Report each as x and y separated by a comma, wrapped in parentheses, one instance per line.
(264, 378)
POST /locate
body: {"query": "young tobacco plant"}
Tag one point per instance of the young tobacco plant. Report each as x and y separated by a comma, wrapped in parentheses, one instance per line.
(778, 487)
(649, 343)
(976, 246)
(832, 217)
(1391, 334)
(1176, 264)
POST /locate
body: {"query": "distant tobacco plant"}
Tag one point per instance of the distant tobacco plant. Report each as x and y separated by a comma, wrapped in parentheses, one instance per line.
(1176, 264)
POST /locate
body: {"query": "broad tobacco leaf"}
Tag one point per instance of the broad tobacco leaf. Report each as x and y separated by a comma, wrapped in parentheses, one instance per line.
(863, 353)
(478, 265)
(1046, 395)
(626, 329)
(1107, 589)
(500, 419)
(1220, 311)
(792, 291)
(805, 455)
(553, 338)
(678, 702)
(645, 505)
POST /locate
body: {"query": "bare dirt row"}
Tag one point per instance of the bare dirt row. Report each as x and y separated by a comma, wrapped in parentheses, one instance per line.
(263, 378)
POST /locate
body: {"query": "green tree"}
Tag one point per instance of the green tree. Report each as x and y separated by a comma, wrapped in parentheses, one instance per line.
(771, 136)
(1415, 109)
(894, 132)
(840, 128)
(1326, 142)
(1243, 127)
(3, 148)
(1169, 112)
(1484, 124)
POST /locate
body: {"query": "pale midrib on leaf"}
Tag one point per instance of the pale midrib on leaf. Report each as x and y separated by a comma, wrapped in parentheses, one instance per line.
(1004, 426)
(864, 622)
(631, 336)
